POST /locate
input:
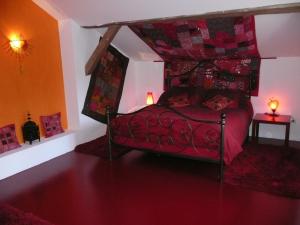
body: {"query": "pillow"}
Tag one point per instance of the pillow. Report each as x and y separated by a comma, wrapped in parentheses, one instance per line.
(179, 101)
(195, 95)
(238, 97)
(52, 124)
(8, 138)
(218, 102)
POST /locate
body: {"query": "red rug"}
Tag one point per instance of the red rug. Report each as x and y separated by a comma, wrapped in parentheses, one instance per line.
(267, 168)
(99, 147)
(12, 216)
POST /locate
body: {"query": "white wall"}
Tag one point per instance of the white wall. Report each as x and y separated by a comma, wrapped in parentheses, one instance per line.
(128, 99)
(77, 45)
(280, 78)
(149, 77)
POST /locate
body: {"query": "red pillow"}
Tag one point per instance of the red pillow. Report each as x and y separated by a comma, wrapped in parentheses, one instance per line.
(194, 95)
(179, 101)
(8, 138)
(237, 96)
(52, 124)
(218, 102)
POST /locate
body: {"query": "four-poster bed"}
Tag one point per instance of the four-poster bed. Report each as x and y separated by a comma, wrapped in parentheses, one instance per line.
(191, 131)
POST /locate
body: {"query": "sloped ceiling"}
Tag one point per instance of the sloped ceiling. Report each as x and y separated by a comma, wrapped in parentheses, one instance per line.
(277, 35)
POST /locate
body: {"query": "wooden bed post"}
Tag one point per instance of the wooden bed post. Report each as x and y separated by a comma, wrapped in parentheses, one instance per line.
(223, 117)
(109, 132)
(109, 35)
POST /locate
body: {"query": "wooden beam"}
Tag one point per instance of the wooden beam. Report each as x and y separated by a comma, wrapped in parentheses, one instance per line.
(109, 35)
(270, 9)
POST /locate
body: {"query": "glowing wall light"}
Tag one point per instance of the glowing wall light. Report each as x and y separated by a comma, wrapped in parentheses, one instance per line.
(18, 47)
(17, 44)
(150, 99)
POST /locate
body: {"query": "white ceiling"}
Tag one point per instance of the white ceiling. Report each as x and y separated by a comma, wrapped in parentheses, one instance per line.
(277, 35)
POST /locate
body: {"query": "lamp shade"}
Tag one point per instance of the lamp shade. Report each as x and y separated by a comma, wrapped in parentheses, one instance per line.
(17, 43)
(149, 99)
(273, 104)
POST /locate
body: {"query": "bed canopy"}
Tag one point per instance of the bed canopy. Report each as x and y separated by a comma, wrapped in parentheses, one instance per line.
(200, 47)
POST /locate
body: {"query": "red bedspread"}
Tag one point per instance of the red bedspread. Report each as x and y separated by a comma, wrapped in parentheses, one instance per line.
(158, 129)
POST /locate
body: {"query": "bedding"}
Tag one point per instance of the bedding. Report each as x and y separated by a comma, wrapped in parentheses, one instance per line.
(158, 128)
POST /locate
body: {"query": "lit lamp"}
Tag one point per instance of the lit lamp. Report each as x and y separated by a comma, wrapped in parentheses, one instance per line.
(150, 99)
(17, 44)
(273, 104)
(18, 47)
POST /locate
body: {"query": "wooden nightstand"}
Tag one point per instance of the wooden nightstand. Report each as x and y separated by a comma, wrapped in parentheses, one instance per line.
(277, 120)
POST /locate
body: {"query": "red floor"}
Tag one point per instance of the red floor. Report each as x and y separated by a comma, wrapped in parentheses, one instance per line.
(140, 189)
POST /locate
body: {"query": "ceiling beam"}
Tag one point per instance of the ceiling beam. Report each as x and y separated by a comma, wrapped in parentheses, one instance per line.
(109, 35)
(270, 9)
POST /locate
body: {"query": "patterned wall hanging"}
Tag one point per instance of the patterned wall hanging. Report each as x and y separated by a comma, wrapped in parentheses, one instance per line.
(226, 46)
(230, 74)
(232, 37)
(106, 85)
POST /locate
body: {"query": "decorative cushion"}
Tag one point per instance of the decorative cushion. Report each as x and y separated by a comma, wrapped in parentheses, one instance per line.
(8, 138)
(52, 124)
(194, 95)
(238, 97)
(179, 101)
(218, 102)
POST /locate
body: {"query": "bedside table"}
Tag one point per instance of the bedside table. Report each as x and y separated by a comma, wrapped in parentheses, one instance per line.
(277, 120)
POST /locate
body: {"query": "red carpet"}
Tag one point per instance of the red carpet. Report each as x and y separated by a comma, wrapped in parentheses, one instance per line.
(13, 216)
(99, 147)
(267, 168)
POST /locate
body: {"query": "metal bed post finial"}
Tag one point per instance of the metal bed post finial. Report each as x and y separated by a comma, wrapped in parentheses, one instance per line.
(222, 123)
(108, 114)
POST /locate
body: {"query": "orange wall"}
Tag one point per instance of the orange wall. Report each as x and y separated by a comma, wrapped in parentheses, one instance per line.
(39, 89)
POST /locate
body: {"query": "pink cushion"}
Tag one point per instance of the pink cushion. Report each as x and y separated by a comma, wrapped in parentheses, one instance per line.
(219, 102)
(8, 138)
(52, 124)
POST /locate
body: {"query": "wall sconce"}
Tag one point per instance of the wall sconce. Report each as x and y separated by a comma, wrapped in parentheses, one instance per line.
(17, 43)
(273, 104)
(17, 46)
(150, 99)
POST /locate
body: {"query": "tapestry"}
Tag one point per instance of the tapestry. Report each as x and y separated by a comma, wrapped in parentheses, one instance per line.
(233, 74)
(106, 85)
(204, 48)
(232, 37)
